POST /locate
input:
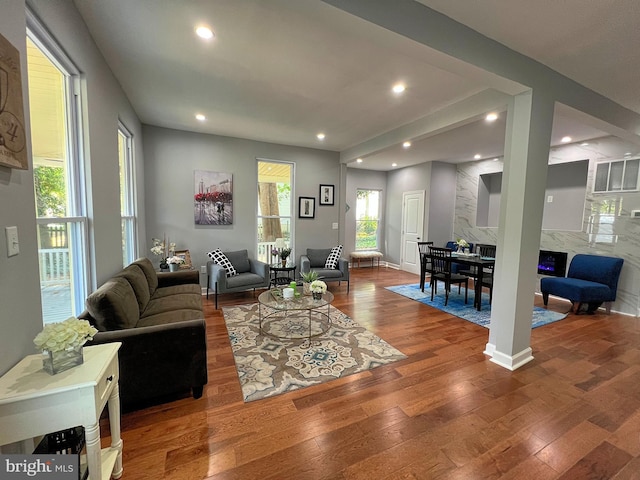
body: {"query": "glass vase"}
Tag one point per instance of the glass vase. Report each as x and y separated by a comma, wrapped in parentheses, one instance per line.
(56, 362)
(317, 295)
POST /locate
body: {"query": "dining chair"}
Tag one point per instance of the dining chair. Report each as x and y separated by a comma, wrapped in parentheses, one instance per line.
(425, 262)
(441, 271)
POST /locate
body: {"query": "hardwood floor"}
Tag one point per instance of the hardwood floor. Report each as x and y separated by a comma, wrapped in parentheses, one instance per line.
(446, 412)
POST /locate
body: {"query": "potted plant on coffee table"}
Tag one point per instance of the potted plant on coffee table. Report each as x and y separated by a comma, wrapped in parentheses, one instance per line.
(307, 278)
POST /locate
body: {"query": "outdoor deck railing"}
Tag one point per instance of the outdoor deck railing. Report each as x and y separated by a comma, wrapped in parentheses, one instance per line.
(54, 265)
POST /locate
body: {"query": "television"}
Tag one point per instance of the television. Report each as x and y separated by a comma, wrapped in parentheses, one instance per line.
(552, 263)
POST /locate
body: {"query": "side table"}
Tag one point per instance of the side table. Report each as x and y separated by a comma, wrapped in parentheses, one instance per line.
(277, 279)
(33, 403)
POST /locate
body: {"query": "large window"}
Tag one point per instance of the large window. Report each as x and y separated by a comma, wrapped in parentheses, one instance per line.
(367, 219)
(275, 208)
(127, 196)
(58, 176)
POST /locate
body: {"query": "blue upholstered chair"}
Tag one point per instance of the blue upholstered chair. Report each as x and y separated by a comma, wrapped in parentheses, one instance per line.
(591, 280)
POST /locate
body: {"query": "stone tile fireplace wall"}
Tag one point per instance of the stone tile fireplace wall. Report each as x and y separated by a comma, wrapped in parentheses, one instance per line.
(624, 241)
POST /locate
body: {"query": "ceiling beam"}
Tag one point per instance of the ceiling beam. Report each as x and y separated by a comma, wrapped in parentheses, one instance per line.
(460, 113)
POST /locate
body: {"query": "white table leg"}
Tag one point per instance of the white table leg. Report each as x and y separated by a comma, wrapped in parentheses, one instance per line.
(94, 457)
(114, 422)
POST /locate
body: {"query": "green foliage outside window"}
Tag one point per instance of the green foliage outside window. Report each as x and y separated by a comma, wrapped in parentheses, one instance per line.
(50, 191)
(366, 233)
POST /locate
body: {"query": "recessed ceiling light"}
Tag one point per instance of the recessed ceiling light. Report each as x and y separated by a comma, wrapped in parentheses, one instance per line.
(359, 160)
(200, 117)
(406, 144)
(627, 154)
(584, 144)
(320, 136)
(496, 159)
(204, 32)
(477, 156)
(394, 164)
(491, 117)
(566, 139)
(398, 88)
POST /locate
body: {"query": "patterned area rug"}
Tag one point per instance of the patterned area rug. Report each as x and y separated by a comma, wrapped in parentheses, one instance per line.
(457, 307)
(268, 366)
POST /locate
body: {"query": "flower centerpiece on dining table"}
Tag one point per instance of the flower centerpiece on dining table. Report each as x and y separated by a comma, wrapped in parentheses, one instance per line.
(318, 288)
(462, 244)
(61, 344)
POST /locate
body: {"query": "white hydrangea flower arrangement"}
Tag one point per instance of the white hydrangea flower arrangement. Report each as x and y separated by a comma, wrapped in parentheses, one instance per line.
(318, 286)
(57, 337)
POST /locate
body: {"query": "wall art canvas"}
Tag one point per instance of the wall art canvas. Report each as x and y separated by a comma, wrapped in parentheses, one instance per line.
(13, 151)
(213, 199)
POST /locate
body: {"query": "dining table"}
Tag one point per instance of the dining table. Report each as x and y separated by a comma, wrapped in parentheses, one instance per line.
(469, 259)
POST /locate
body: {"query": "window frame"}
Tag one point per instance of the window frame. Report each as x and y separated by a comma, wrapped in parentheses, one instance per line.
(76, 215)
(263, 249)
(377, 220)
(128, 204)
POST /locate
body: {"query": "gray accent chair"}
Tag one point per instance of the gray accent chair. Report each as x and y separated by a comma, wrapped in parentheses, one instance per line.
(315, 260)
(252, 274)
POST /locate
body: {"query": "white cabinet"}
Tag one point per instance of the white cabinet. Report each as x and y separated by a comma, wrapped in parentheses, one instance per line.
(33, 403)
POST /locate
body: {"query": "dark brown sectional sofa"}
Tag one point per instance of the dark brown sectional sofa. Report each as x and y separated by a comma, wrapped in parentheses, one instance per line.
(160, 322)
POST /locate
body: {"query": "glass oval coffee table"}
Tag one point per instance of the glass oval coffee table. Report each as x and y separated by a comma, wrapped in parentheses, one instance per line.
(301, 317)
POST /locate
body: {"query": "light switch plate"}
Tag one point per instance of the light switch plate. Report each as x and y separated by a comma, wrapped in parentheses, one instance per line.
(335, 225)
(13, 246)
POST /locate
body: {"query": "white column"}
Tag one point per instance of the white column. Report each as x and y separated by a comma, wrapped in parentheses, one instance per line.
(528, 135)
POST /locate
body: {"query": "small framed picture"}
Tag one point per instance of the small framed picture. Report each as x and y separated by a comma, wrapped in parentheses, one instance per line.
(306, 207)
(326, 194)
(186, 256)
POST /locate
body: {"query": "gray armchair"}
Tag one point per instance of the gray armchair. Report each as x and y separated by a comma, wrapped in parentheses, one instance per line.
(251, 274)
(315, 260)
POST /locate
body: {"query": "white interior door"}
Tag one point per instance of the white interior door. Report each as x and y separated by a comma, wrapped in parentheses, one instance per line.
(412, 224)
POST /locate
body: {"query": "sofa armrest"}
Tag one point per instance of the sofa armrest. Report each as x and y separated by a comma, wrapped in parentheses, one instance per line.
(167, 279)
(343, 266)
(259, 268)
(216, 274)
(159, 360)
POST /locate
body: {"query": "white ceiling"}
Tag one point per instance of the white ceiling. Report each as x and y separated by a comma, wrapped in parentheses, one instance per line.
(284, 70)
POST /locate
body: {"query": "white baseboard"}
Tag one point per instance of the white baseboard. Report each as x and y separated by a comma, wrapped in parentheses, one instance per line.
(510, 362)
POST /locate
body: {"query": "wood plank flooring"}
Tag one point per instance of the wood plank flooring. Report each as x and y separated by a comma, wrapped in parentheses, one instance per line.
(446, 412)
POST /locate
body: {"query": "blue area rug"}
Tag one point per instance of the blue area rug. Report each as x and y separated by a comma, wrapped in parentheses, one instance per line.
(457, 307)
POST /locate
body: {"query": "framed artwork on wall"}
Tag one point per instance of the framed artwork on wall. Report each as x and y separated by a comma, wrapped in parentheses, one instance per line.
(326, 194)
(13, 152)
(213, 198)
(186, 256)
(306, 207)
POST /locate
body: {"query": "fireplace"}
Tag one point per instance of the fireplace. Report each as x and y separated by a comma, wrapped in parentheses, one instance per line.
(552, 263)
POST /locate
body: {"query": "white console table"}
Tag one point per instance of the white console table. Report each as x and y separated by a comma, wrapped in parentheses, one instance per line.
(33, 403)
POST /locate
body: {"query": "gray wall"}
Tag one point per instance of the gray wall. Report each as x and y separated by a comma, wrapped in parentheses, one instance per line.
(442, 202)
(105, 103)
(171, 156)
(358, 178)
(21, 314)
(566, 185)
